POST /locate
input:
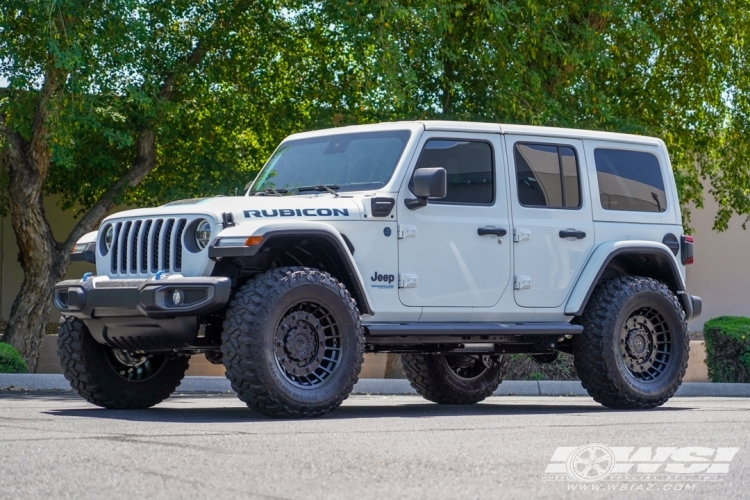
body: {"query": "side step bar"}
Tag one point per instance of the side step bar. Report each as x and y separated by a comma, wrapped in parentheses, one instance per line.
(440, 333)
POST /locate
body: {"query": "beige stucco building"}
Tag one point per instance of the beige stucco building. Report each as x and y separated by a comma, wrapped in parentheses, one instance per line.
(719, 275)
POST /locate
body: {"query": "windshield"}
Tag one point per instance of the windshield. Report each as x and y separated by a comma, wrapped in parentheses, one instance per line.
(344, 162)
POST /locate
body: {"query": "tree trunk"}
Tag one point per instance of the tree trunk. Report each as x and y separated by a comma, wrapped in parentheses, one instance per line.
(43, 259)
(31, 309)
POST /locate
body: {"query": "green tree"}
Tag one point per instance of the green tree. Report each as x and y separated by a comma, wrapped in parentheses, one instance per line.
(675, 69)
(136, 101)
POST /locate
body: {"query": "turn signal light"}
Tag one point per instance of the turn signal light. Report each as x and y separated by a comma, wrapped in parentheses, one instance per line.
(253, 241)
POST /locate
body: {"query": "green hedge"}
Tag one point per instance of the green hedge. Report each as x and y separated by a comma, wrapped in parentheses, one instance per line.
(10, 360)
(728, 349)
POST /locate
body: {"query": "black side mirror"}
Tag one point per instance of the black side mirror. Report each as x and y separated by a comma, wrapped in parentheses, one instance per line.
(427, 183)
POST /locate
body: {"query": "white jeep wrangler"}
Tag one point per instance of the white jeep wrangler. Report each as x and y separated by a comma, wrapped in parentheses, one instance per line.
(451, 243)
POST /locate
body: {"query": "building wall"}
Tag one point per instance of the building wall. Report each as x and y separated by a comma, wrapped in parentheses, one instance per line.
(720, 274)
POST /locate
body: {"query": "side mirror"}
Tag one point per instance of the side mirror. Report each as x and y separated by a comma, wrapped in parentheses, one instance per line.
(428, 183)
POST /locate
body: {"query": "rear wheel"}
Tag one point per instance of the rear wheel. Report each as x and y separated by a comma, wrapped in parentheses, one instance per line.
(113, 378)
(633, 351)
(453, 379)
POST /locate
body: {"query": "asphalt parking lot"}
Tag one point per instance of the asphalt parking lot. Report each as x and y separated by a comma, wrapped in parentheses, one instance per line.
(54, 445)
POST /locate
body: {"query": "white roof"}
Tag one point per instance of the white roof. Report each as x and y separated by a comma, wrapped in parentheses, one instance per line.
(488, 128)
(509, 128)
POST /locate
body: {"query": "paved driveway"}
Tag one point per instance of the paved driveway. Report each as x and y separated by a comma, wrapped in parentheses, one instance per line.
(54, 445)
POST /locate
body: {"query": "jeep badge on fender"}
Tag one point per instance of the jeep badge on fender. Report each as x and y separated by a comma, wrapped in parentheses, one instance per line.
(280, 284)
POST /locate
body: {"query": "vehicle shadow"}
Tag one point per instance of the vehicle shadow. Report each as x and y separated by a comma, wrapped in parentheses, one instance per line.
(390, 409)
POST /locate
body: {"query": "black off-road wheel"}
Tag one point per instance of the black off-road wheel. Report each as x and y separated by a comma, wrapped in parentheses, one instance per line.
(453, 379)
(112, 378)
(293, 343)
(633, 351)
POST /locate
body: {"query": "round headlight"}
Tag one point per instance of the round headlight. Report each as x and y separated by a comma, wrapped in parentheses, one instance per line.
(109, 235)
(202, 234)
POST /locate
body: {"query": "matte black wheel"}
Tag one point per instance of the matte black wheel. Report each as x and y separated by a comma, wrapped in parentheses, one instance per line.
(453, 379)
(113, 378)
(293, 343)
(633, 351)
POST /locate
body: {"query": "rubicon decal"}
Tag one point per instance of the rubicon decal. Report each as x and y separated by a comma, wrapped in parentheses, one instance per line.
(297, 212)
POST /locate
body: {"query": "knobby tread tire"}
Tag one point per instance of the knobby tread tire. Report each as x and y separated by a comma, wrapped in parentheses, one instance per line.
(243, 342)
(429, 375)
(85, 366)
(593, 349)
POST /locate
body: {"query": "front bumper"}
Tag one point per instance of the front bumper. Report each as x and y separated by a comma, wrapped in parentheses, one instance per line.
(169, 297)
(143, 315)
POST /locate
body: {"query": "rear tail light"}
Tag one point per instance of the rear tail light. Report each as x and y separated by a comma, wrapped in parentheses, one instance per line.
(686, 249)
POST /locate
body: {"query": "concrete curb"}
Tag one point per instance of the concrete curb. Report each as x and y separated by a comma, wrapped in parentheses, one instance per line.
(51, 382)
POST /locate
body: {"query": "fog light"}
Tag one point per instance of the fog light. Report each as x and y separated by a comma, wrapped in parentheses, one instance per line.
(176, 297)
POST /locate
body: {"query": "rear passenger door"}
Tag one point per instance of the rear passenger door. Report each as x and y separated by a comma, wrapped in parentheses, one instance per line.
(553, 228)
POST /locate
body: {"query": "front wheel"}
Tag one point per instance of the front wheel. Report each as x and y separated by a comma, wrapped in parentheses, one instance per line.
(633, 351)
(113, 378)
(453, 379)
(293, 343)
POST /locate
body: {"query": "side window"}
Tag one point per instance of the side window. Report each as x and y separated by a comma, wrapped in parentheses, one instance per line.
(547, 176)
(469, 166)
(629, 181)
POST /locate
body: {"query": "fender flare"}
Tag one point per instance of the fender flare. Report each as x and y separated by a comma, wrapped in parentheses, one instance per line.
(601, 258)
(271, 232)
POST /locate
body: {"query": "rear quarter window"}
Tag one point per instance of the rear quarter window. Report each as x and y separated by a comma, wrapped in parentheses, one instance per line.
(630, 181)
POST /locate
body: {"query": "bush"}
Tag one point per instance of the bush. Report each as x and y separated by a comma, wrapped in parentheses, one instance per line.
(522, 367)
(728, 349)
(10, 360)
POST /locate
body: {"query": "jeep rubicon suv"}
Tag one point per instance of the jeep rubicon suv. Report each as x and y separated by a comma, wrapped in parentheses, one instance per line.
(451, 243)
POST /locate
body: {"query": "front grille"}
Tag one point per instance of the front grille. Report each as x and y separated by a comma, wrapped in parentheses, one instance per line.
(147, 245)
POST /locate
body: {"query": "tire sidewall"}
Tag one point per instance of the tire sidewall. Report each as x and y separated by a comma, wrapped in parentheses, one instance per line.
(678, 358)
(330, 390)
(488, 378)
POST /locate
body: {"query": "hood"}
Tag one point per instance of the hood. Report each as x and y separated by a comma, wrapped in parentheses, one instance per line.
(248, 208)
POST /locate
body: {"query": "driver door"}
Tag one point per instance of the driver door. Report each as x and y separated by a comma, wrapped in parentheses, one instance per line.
(455, 252)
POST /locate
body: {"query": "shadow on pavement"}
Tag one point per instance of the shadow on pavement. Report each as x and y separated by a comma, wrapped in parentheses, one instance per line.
(391, 409)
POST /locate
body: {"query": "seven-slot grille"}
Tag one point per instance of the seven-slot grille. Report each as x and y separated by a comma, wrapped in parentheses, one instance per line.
(147, 246)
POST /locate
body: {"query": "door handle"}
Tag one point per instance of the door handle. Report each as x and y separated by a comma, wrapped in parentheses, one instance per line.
(572, 233)
(483, 231)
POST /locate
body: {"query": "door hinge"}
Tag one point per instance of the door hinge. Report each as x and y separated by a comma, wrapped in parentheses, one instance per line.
(521, 282)
(407, 280)
(405, 230)
(521, 234)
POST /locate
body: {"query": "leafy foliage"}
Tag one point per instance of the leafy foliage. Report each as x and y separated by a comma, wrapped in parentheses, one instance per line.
(676, 69)
(10, 360)
(728, 349)
(522, 367)
(673, 69)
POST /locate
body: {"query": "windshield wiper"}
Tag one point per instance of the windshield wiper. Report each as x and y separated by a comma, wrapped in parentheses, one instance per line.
(268, 191)
(320, 187)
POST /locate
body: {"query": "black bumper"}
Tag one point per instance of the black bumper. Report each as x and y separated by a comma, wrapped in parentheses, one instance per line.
(697, 304)
(143, 315)
(170, 297)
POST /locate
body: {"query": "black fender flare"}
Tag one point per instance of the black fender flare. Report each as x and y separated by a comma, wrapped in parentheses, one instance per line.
(651, 254)
(341, 245)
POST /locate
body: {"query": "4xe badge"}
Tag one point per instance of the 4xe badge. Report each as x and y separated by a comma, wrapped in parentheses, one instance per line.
(382, 281)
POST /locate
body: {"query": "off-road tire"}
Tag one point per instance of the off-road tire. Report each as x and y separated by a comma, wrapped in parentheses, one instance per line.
(433, 379)
(249, 342)
(598, 358)
(85, 365)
